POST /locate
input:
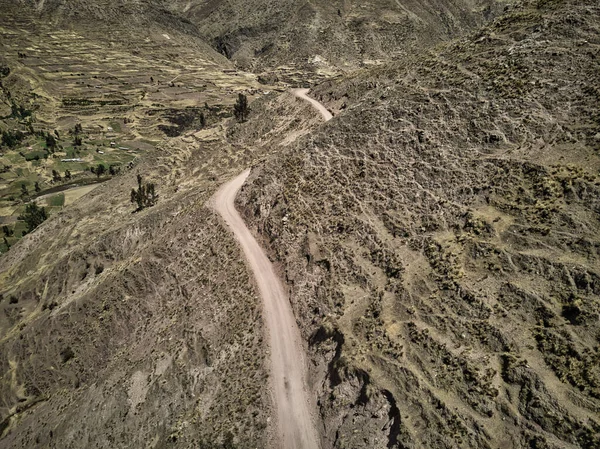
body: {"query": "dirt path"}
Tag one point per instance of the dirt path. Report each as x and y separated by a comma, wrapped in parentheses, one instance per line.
(71, 193)
(295, 424)
(301, 93)
(293, 404)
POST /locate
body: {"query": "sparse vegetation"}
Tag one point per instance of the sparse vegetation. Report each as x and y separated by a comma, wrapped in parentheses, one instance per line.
(241, 109)
(33, 216)
(145, 195)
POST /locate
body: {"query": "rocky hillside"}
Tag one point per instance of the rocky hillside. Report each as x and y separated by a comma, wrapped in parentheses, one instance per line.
(123, 329)
(329, 35)
(439, 236)
(307, 36)
(440, 239)
(130, 13)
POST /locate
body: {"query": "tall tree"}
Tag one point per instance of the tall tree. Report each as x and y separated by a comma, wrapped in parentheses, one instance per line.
(33, 216)
(56, 176)
(145, 195)
(241, 109)
(100, 170)
(50, 142)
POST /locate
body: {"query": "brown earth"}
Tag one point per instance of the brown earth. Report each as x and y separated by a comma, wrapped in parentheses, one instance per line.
(438, 240)
(288, 371)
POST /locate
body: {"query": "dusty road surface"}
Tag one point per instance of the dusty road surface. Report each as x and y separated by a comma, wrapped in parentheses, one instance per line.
(288, 369)
(301, 93)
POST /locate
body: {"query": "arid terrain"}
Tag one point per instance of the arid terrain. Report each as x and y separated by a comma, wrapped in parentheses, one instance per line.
(407, 256)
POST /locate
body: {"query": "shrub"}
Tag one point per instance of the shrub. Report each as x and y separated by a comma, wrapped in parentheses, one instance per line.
(145, 195)
(33, 216)
(67, 354)
(241, 109)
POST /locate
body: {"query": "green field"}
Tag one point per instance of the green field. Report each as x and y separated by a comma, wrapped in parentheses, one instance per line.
(40, 169)
(57, 200)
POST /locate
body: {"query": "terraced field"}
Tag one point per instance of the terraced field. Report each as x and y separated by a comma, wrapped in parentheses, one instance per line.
(76, 75)
(127, 92)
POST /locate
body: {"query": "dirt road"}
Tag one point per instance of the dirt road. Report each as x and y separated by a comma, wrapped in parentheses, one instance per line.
(301, 93)
(292, 401)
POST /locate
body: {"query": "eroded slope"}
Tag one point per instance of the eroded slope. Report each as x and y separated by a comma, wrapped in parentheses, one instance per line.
(440, 240)
(326, 35)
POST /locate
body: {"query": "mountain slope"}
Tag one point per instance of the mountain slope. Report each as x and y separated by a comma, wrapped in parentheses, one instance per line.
(438, 237)
(440, 240)
(326, 35)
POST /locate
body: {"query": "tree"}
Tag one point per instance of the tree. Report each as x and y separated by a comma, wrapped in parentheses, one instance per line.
(33, 216)
(77, 141)
(19, 111)
(145, 195)
(50, 142)
(24, 191)
(241, 109)
(68, 174)
(37, 187)
(100, 170)
(56, 176)
(7, 232)
(202, 120)
(12, 138)
(78, 129)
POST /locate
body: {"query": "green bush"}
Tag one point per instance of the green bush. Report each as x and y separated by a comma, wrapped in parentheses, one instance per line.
(33, 216)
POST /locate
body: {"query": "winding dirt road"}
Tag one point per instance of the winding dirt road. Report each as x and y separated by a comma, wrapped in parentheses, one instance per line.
(302, 93)
(292, 402)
